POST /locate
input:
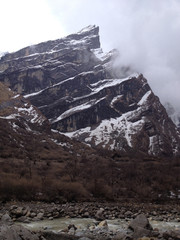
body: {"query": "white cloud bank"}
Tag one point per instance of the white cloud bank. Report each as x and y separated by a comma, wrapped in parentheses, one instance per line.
(146, 32)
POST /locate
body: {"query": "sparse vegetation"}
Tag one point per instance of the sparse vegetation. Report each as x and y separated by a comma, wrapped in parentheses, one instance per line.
(90, 177)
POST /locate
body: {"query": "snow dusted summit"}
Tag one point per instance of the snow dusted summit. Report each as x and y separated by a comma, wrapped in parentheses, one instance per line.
(74, 84)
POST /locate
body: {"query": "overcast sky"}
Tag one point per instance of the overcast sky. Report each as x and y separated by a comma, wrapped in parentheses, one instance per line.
(147, 32)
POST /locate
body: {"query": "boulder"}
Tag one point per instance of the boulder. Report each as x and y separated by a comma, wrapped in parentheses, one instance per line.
(146, 238)
(23, 219)
(6, 219)
(40, 215)
(128, 214)
(16, 232)
(84, 238)
(103, 224)
(58, 236)
(18, 211)
(33, 214)
(141, 233)
(141, 221)
(56, 214)
(121, 235)
(92, 228)
(72, 226)
(86, 215)
(13, 207)
(99, 214)
(140, 227)
(172, 234)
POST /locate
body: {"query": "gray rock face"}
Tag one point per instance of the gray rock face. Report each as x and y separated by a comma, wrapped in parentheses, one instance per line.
(39, 66)
(76, 87)
(40, 216)
(140, 221)
(99, 214)
(84, 238)
(6, 219)
(16, 233)
(26, 133)
(140, 226)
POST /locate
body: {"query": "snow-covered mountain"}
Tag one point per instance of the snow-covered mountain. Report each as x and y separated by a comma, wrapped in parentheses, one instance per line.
(74, 84)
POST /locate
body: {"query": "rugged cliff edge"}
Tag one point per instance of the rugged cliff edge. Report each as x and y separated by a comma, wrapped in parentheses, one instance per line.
(75, 85)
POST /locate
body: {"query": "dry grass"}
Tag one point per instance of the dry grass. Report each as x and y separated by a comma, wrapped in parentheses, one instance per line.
(80, 179)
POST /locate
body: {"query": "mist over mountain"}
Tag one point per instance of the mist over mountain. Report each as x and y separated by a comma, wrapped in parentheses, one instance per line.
(86, 95)
(146, 33)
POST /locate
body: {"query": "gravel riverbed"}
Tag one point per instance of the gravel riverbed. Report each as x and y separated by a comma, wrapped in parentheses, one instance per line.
(95, 220)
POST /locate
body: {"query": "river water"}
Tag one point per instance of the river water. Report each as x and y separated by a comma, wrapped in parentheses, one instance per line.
(60, 224)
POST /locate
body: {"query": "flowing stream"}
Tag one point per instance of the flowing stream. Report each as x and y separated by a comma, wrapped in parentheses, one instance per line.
(57, 225)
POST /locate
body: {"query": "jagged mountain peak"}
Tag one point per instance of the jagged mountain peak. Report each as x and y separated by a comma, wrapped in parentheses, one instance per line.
(74, 84)
(89, 31)
(91, 28)
(88, 38)
(48, 63)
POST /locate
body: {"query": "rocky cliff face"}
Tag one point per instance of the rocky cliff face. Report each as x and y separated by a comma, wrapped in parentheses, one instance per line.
(74, 84)
(127, 116)
(26, 133)
(37, 67)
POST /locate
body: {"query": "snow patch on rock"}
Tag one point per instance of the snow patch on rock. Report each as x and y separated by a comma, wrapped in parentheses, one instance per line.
(103, 134)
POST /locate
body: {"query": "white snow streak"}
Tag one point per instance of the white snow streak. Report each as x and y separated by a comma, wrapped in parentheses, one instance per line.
(78, 108)
(16, 96)
(32, 113)
(33, 94)
(12, 116)
(86, 29)
(116, 99)
(144, 98)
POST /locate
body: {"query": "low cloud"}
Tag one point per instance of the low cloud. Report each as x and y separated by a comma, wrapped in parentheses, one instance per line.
(150, 45)
(145, 32)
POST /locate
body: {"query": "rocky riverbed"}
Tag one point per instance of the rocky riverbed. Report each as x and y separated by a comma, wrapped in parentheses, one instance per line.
(90, 221)
(34, 211)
